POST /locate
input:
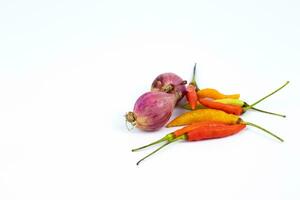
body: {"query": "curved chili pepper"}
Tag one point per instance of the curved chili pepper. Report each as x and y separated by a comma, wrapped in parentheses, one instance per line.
(203, 115)
(197, 132)
(235, 102)
(231, 109)
(214, 131)
(215, 94)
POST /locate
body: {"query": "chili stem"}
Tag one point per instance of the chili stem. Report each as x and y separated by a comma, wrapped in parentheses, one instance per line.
(193, 82)
(168, 137)
(260, 100)
(265, 130)
(267, 112)
(182, 137)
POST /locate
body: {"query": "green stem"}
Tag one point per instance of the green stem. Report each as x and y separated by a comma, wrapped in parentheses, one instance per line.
(260, 100)
(193, 82)
(263, 129)
(182, 137)
(267, 112)
(168, 137)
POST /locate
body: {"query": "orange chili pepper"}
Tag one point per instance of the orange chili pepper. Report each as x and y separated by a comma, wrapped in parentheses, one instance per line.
(191, 94)
(215, 94)
(214, 130)
(231, 109)
(203, 115)
(190, 127)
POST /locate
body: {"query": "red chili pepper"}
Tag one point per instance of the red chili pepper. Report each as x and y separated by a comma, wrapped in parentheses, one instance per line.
(192, 89)
(214, 130)
(192, 127)
(191, 96)
(231, 109)
(196, 132)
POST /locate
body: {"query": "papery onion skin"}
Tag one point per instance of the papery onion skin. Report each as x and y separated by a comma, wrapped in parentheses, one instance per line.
(152, 110)
(163, 81)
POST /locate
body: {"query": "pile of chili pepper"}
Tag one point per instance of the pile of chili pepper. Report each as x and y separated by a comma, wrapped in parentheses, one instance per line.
(212, 115)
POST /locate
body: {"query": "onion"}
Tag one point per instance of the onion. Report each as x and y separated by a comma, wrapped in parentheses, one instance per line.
(170, 83)
(152, 110)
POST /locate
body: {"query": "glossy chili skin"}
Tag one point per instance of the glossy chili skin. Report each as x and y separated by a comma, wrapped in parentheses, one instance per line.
(204, 115)
(215, 94)
(191, 96)
(214, 130)
(231, 109)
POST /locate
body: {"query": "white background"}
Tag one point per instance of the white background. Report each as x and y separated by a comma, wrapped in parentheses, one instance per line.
(69, 70)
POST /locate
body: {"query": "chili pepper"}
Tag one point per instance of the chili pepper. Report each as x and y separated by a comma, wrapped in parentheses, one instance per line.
(191, 94)
(203, 115)
(215, 130)
(231, 109)
(201, 131)
(240, 106)
(213, 115)
(235, 102)
(215, 94)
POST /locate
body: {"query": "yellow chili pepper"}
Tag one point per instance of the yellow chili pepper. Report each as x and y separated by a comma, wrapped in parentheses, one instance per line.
(230, 101)
(215, 94)
(203, 115)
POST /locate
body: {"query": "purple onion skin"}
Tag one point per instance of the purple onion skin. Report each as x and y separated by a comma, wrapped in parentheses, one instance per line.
(165, 79)
(153, 110)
